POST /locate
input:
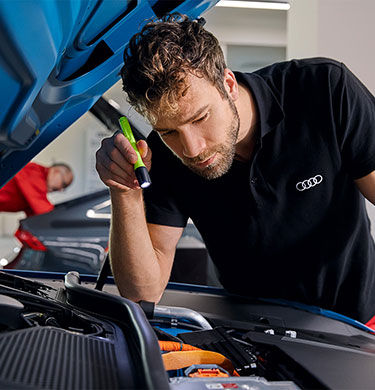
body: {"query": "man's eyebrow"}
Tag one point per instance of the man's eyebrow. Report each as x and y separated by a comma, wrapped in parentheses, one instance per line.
(190, 119)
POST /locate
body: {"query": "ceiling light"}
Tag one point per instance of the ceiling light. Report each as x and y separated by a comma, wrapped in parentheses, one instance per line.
(114, 104)
(253, 5)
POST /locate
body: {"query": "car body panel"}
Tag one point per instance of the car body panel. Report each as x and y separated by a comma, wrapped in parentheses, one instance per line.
(75, 237)
(57, 59)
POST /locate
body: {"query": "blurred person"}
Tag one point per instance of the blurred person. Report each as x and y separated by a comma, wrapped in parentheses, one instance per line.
(27, 190)
(273, 167)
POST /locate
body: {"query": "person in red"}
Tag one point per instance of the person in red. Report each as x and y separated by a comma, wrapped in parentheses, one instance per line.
(27, 190)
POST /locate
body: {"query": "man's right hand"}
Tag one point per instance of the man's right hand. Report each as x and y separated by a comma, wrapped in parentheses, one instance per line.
(141, 253)
(115, 160)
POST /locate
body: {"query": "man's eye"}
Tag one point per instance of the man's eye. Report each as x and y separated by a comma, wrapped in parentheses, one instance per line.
(165, 133)
(201, 118)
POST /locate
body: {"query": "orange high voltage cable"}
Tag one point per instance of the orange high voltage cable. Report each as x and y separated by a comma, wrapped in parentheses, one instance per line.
(182, 359)
(174, 346)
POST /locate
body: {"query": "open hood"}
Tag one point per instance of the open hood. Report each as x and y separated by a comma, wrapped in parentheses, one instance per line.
(57, 58)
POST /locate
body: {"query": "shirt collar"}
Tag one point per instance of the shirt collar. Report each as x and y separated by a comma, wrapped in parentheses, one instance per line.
(268, 105)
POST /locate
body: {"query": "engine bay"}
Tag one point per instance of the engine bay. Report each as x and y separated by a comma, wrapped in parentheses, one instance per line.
(76, 337)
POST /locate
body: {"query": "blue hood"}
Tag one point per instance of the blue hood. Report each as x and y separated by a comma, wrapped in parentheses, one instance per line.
(57, 58)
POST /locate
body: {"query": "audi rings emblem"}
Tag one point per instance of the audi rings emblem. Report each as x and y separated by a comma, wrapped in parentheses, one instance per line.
(309, 183)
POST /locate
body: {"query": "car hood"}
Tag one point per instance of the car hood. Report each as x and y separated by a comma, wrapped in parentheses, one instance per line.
(57, 59)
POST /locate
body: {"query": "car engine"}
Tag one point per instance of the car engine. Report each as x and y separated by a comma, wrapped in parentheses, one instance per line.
(76, 337)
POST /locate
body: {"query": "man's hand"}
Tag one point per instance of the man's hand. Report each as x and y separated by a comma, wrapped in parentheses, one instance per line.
(115, 160)
(141, 254)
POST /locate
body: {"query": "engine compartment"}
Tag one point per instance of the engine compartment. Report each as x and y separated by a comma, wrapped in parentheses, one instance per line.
(77, 337)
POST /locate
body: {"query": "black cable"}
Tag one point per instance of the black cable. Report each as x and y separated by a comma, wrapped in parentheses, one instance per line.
(165, 336)
(103, 274)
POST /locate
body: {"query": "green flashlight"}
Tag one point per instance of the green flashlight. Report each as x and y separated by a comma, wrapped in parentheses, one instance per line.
(140, 169)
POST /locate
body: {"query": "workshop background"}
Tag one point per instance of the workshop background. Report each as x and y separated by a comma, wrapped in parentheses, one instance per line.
(251, 38)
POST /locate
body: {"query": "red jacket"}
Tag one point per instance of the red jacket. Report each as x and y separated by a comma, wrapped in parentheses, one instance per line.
(27, 191)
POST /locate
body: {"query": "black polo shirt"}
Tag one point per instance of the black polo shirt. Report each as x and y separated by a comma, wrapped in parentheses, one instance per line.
(291, 223)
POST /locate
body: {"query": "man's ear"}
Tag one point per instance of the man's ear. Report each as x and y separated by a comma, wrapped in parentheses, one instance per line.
(230, 84)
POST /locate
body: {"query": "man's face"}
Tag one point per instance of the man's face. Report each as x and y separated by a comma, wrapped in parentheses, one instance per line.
(203, 134)
(58, 178)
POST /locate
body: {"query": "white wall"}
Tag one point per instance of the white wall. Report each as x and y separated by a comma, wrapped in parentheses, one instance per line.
(247, 26)
(340, 29)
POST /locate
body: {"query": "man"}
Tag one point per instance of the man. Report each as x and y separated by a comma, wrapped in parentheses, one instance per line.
(27, 190)
(270, 166)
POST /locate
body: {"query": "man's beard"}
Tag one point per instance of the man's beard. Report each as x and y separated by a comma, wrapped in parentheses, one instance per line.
(224, 152)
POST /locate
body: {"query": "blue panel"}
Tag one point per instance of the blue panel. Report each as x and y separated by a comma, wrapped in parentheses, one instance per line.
(173, 331)
(9, 84)
(106, 14)
(32, 35)
(56, 59)
(195, 8)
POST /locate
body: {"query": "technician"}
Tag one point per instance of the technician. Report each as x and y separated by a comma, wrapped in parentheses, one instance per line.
(273, 167)
(27, 190)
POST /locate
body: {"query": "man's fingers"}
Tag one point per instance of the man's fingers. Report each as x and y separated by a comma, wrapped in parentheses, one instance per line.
(113, 180)
(145, 152)
(123, 145)
(116, 165)
(142, 147)
(116, 156)
(115, 162)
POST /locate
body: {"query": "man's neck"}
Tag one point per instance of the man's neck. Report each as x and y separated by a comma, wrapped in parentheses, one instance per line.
(247, 112)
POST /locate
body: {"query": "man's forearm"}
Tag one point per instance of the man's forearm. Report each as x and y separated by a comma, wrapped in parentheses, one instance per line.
(134, 262)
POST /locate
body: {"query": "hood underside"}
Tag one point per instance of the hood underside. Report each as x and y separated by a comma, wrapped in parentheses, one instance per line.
(57, 59)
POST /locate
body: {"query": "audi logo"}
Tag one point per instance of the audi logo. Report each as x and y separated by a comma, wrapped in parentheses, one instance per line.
(309, 183)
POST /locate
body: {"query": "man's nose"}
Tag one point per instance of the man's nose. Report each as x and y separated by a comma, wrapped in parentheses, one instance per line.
(192, 144)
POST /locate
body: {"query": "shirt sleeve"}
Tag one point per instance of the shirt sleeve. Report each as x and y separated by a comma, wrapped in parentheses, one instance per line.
(31, 181)
(163, 199)
(357, 125)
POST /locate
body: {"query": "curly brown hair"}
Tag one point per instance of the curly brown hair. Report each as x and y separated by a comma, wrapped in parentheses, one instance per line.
(159, 58)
